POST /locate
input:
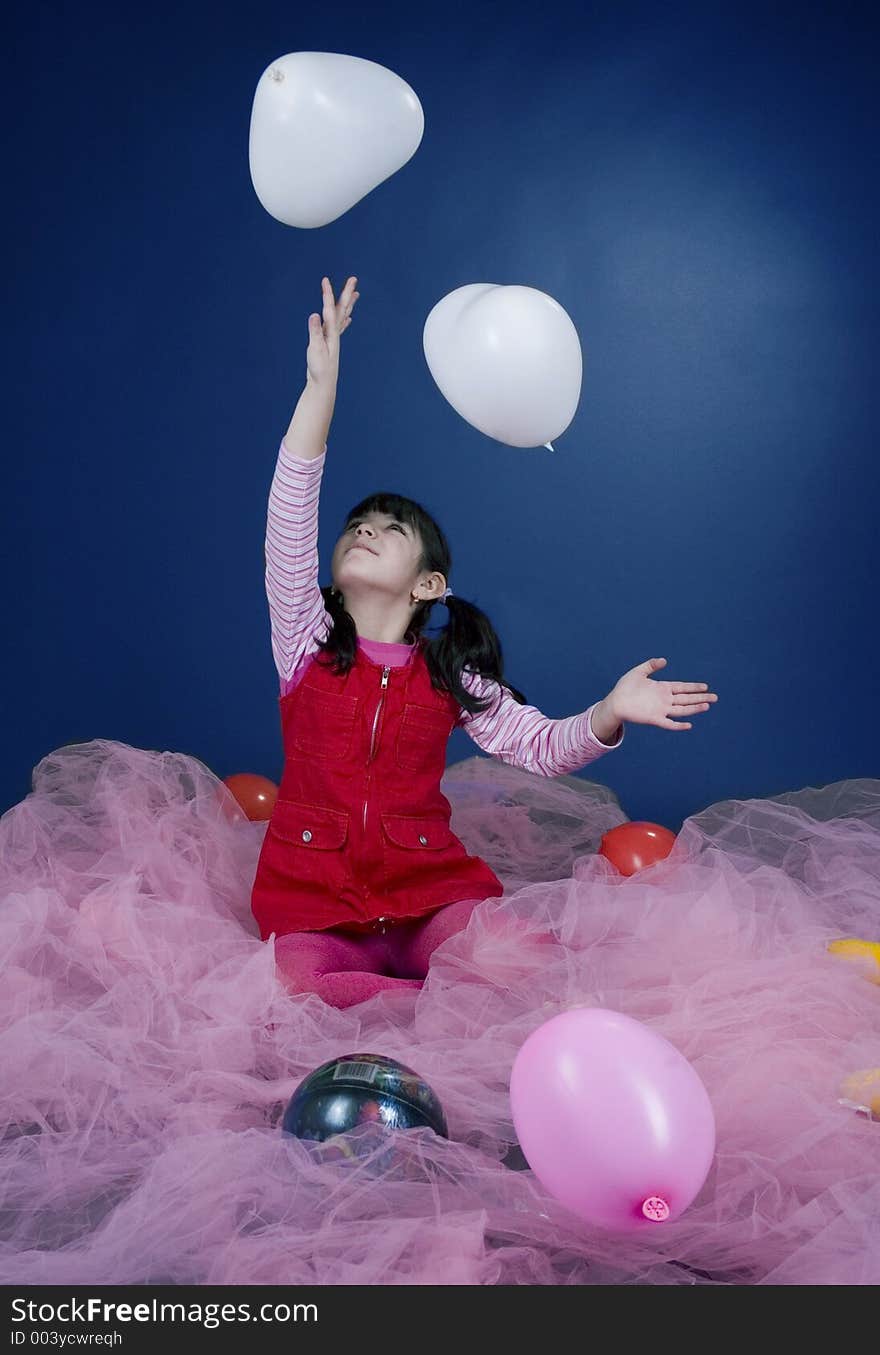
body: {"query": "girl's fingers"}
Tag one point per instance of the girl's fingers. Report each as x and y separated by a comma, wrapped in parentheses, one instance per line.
(348, 298)
(338, 313)
(344, 295)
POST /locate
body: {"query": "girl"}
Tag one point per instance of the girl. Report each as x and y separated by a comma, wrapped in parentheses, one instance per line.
(360, 877)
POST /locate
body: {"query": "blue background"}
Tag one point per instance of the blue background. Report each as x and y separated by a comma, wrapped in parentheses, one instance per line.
(695, 184)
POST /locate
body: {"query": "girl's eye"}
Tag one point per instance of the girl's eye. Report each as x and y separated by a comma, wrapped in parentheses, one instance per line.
(352, 525)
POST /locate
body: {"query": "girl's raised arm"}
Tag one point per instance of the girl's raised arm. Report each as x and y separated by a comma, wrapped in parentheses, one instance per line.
(307, 435)
(296, 606)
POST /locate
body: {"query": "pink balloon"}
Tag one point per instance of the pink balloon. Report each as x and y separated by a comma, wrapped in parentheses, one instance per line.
(612, 1119)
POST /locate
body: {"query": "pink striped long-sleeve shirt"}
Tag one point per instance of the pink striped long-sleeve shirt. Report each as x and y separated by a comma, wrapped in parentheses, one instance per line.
(518, 734)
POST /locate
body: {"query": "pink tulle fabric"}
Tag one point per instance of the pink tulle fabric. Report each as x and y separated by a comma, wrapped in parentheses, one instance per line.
(149, 1048)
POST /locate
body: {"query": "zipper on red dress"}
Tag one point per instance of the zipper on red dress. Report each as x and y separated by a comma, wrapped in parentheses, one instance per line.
(383, 686)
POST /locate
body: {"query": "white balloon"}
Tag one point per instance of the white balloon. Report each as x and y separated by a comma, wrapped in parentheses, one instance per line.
(508, 359)
(325, 130)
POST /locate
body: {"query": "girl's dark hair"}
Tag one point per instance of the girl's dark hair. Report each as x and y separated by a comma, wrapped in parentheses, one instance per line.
(468, 640)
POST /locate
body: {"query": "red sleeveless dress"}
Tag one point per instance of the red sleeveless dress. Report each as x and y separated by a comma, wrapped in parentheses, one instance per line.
(359, 837)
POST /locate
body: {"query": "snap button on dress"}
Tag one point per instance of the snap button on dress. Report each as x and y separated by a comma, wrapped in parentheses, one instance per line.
(423, 839)
(307, 837)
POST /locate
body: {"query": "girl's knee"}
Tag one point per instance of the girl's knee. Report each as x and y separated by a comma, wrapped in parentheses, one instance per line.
(451, 919)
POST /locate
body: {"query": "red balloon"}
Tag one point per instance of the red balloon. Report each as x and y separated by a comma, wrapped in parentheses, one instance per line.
(633, 846)
(255, 794)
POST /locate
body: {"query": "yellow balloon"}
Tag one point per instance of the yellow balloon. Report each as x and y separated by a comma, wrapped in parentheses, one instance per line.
(863, 1089)
(852, 948)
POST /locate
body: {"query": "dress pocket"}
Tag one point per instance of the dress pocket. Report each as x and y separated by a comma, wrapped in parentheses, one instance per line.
(323, 723)
(422, 738)
(304, 855)
(314, 827)
(417, 852)
(418, 834)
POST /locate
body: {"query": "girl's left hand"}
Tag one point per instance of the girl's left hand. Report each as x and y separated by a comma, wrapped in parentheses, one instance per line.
(643, 701)
(322, 357)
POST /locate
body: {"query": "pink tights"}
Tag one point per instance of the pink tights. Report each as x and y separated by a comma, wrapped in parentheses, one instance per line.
(344, 969)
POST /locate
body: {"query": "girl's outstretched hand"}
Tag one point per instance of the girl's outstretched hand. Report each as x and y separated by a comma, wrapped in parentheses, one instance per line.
(322, 358)
(638, 698)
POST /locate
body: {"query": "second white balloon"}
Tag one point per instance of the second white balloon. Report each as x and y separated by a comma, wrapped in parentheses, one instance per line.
(508, 359)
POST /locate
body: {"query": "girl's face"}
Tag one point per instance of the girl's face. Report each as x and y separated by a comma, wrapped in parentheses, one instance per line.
(375, 555)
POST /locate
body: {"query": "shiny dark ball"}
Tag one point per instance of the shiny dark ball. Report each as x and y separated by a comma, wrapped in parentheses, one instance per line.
(360, 1089)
